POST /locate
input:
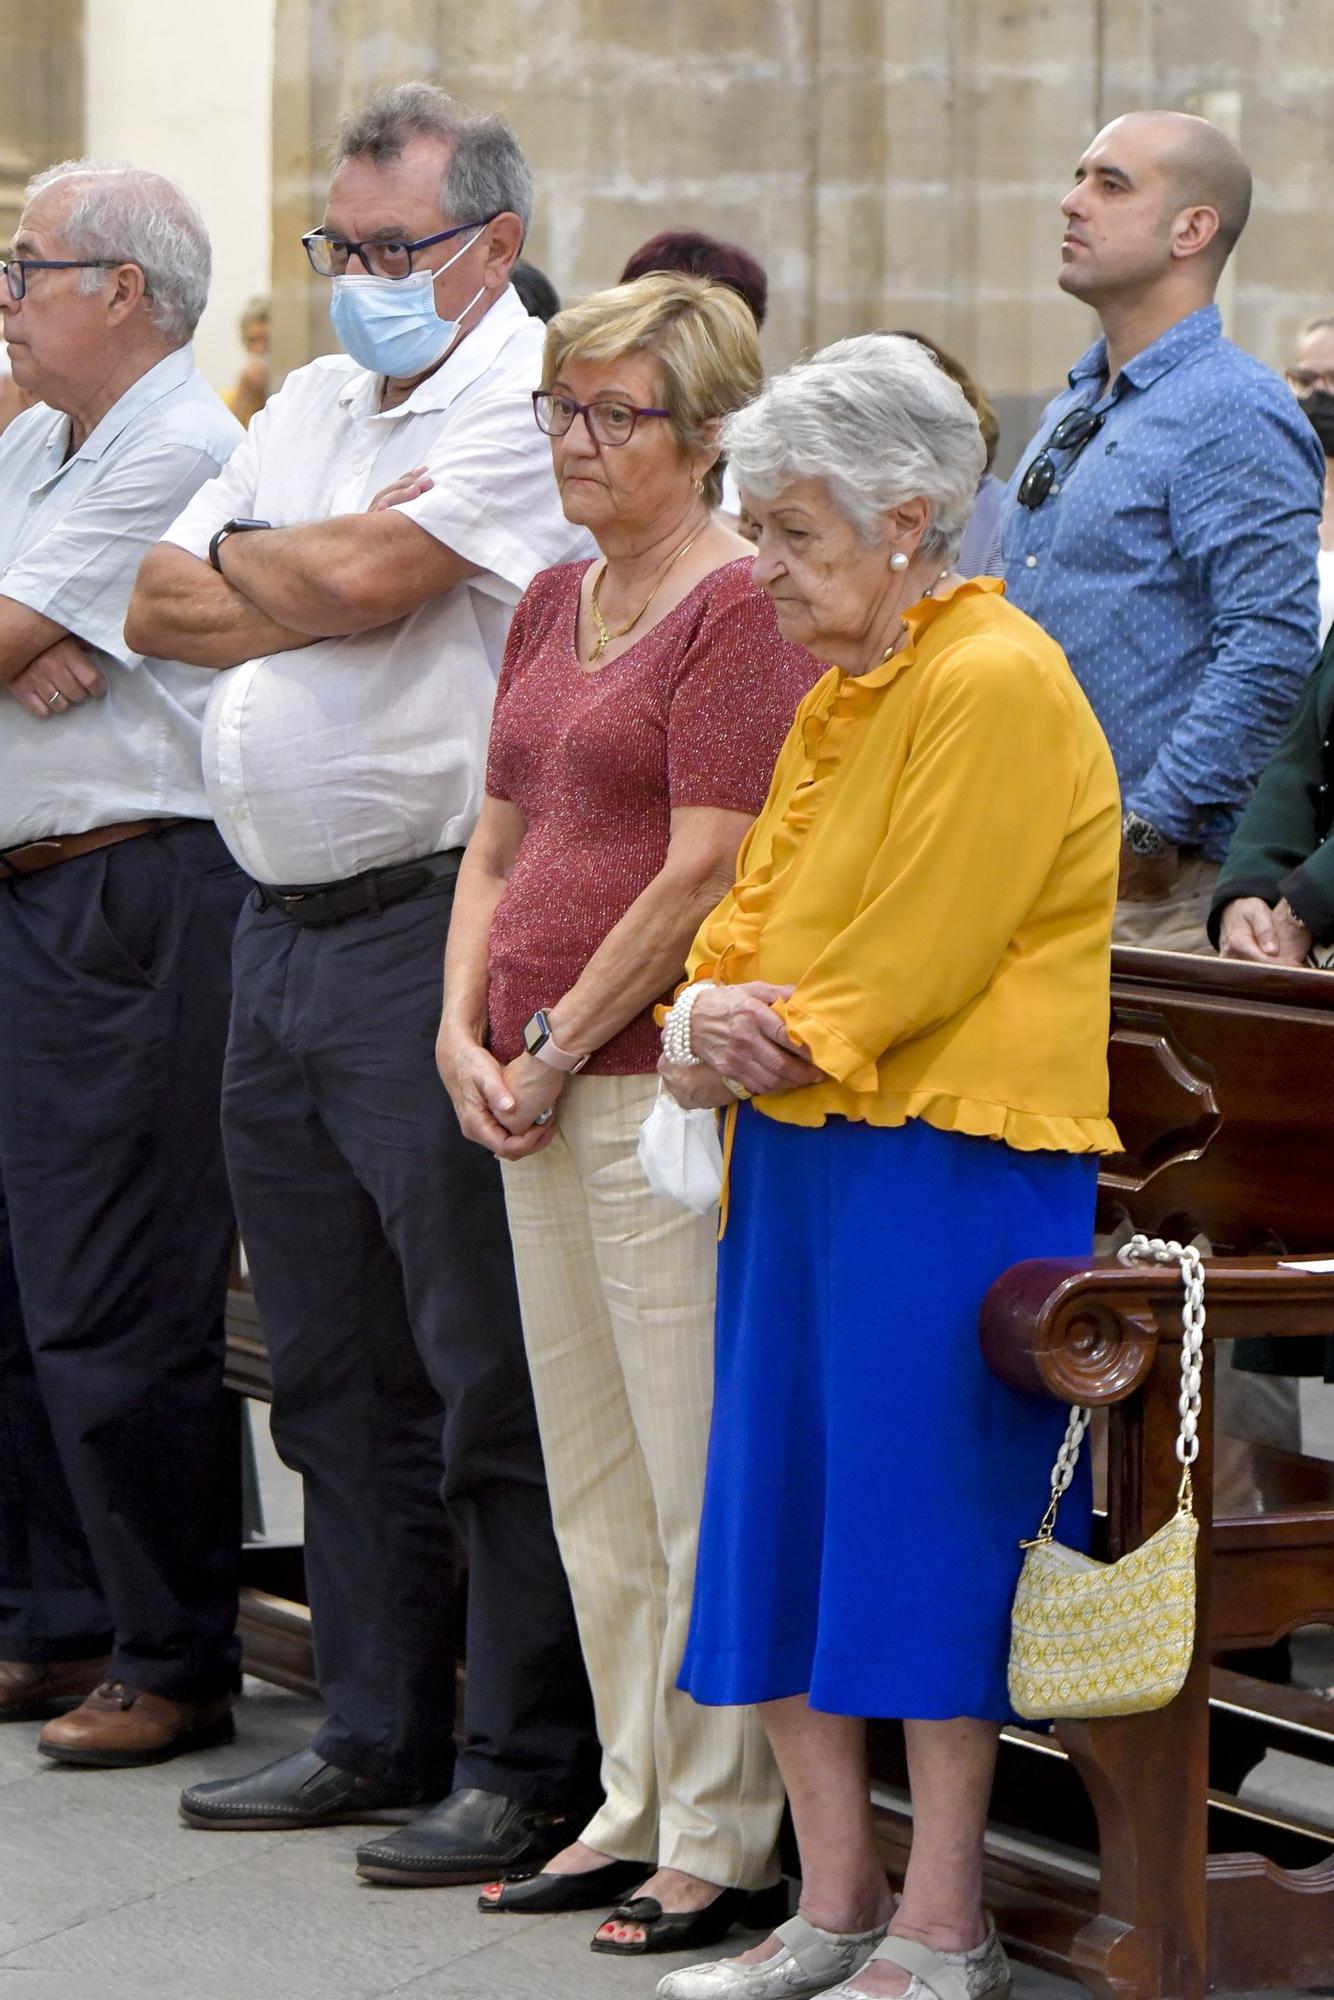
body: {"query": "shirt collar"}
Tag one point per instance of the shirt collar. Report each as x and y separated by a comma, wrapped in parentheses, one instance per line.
(472, 357)
(916, 619)
(1186, 337)
(172, 372)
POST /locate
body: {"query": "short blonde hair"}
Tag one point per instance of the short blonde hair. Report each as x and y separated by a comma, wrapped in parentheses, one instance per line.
(701, 335)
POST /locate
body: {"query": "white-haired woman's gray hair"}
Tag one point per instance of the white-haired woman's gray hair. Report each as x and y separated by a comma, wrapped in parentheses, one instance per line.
(879, 422)
(487, 174)
(137, 218)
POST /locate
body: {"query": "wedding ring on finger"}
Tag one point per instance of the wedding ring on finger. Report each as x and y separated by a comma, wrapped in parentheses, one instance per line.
(545, 1117)
(54, 696)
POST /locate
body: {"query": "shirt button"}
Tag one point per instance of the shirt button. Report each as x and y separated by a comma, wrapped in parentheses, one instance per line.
(1030, 562)
(1056, 487)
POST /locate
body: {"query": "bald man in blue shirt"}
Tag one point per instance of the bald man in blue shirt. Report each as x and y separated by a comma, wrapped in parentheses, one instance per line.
(1163, 523)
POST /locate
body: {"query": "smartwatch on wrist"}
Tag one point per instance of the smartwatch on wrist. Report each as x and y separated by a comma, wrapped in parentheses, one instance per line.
(537, 1041)
(230, 528)
(1142, 837)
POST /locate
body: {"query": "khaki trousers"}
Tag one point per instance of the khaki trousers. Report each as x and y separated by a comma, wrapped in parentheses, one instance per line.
(1176, 922)
(616, 1287)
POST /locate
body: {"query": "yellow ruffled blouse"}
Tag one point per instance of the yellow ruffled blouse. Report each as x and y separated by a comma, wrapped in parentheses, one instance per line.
(934, 871)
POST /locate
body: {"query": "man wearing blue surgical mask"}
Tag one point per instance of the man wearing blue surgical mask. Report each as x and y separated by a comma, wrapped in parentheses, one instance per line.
(353, 577)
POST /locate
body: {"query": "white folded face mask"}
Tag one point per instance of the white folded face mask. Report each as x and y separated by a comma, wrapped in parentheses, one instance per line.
(681, 1154)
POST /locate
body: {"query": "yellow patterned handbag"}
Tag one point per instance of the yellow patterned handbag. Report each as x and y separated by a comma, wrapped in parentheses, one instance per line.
(1094, 1639)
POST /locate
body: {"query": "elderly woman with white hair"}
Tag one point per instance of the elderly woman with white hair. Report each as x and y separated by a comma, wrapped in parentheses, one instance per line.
(922, 912)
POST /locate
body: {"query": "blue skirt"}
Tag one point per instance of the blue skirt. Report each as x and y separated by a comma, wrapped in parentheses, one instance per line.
(869, 1479)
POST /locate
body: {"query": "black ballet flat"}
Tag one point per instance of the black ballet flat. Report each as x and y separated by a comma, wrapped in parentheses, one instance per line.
(693, 1930)
(545, 1894)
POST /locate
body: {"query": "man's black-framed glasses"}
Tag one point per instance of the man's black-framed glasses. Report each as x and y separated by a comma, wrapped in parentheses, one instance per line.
(15, 270)
(388, 258)
(609, 420)
(1076, 429)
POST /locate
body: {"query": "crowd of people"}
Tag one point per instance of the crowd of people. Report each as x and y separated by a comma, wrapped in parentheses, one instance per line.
(736, 739)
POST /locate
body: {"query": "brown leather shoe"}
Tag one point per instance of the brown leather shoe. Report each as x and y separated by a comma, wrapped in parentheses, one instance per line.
(30, 1690)
(120, 1725)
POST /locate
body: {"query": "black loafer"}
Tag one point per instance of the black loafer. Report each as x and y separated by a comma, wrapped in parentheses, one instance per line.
(471, 1836)
(542, 1895)
(301, 1790)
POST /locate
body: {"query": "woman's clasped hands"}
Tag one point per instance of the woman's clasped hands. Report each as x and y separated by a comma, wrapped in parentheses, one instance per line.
(739, 1039)
(498, 1107)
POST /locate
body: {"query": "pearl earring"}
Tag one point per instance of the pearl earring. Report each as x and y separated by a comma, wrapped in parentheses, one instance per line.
(898, 560)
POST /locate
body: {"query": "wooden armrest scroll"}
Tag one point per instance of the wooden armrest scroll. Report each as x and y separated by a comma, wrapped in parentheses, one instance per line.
(1087, 1333)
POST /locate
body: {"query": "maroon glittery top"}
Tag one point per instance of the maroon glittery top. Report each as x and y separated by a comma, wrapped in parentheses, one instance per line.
(694, 714)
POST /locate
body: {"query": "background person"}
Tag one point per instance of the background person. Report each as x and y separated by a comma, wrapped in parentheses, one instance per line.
(119, 1533)
(1311, 378)
(413, 502)
(979, 548)
(250, 391)
(540, 297)
(1162, 524)
(948, 1103)
(698, 255)
(1274, 901)
(641, 706)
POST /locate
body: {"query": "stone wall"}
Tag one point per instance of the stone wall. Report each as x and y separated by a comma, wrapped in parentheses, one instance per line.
(893, 163)
(41, 64)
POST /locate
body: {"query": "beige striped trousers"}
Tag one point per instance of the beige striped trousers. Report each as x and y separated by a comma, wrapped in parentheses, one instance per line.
(616, 1287)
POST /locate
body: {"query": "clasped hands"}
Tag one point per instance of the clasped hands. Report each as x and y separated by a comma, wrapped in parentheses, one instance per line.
(739, 1039)
(1251, 930)
(496, 1105)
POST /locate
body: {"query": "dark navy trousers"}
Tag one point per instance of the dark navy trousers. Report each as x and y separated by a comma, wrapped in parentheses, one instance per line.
(119, 1526)
(378, 1245)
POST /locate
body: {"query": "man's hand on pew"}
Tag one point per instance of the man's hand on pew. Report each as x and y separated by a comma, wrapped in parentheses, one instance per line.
(58, 680)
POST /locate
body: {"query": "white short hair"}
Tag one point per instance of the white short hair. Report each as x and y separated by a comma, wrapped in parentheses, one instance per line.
(138, 218)
(879, 422)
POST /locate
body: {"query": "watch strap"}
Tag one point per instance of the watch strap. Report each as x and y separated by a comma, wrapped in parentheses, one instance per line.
(554, 1057)
(237, 527)
(540, 1043)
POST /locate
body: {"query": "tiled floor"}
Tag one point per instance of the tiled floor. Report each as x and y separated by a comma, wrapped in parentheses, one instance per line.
(104, 1895)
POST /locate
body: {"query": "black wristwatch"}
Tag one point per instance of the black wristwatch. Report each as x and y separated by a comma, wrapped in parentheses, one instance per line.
(230, 528)
(1142, 837)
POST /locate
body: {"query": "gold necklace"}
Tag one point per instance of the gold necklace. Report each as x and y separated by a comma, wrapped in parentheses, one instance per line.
(902, 633)
(605, 635)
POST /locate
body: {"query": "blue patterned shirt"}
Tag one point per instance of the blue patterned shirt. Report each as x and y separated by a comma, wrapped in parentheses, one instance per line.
(1175, 563)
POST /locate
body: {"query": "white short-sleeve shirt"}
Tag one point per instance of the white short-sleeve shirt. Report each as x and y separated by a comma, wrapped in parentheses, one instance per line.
(359, 752)
(73, 531)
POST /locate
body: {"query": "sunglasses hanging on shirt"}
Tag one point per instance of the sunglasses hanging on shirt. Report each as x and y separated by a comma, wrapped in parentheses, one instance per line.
(1076, 429)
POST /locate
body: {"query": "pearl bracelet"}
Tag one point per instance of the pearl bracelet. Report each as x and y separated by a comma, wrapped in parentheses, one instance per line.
(676, 1046)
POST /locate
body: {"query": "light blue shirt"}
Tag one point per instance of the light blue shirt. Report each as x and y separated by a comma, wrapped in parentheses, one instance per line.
(72, 534)
(1175, 564)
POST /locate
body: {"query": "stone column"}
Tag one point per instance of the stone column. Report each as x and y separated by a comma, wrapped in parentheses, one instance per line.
(41, 61)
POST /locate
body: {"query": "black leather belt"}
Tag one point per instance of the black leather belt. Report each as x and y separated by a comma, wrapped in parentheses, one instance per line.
(361, 895)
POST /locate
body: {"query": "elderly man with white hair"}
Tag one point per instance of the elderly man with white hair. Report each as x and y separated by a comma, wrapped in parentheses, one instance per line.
(118, 1533)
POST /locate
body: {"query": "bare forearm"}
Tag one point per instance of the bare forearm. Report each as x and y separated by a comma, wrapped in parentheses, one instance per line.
(638, 961)
(351, 573)
(183, 610)
(24, 635)
(476, 894)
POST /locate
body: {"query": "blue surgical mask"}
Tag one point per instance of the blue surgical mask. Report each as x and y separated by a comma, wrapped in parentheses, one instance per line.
(390, 325)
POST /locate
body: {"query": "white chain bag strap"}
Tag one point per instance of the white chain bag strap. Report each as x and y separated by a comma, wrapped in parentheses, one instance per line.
(1094, 1639)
